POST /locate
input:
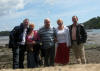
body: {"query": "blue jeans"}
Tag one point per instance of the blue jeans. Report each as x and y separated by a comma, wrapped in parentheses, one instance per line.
(18, 56)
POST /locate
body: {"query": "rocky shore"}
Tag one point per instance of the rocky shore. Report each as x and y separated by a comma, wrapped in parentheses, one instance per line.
(92, 48)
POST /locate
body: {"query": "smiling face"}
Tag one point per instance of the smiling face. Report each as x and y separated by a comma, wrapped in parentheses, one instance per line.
(47, 23)
(59, 22)
(31, 27)
(74, 19)
(25, 23)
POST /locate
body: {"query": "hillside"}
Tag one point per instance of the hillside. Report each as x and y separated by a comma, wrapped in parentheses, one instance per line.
(93, 23)
(4, 33)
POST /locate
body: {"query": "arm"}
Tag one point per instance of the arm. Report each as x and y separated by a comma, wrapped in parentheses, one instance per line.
(69, 39)
(83, 34)
(55, 35)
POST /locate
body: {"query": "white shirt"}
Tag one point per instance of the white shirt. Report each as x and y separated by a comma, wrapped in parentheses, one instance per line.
(24, 37)
(63, 36)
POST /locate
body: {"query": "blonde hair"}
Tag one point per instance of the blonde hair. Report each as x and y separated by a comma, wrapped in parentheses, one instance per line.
(60, 20)
(31, 25)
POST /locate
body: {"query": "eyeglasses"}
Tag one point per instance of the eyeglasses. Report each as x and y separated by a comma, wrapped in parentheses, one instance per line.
(47, 22)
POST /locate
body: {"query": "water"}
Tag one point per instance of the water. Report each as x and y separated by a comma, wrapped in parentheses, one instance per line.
(93, 36)
(93, 31)
(4, 40)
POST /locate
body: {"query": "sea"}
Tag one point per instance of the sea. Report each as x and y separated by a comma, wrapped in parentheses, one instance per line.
(93, 31)
(5, 39)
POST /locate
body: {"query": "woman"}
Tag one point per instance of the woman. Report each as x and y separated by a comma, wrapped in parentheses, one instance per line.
(32, 55)
(63, 43)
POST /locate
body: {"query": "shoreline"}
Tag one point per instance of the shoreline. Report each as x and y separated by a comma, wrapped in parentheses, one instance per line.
(92, 50)
(92, 38)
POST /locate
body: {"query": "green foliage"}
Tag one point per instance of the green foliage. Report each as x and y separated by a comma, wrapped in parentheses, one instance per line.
(4, 33)
(93, 23)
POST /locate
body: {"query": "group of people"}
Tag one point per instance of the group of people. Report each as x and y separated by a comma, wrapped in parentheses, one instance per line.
(48, 45)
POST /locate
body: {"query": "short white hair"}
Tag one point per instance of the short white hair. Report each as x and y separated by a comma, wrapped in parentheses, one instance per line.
(46, 19)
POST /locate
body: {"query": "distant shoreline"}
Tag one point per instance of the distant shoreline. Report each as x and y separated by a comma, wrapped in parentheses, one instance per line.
(93, 36)
(4, 33)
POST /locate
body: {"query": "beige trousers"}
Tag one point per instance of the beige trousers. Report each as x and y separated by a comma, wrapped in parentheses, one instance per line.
(79, 53)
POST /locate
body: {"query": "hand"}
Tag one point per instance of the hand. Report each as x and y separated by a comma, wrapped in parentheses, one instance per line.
(55, 39)
(33, 42)
(70, 47)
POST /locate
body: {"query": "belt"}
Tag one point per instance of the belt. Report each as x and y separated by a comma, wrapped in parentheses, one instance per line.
(73, 40)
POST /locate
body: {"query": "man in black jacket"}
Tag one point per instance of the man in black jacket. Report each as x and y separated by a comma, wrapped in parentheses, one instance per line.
(78, 38)
(18, 43)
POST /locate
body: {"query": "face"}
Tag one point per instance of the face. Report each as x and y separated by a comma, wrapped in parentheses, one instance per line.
(60, 23)
(25, 23)
(47, 23)
(31, 28)
(74, 19)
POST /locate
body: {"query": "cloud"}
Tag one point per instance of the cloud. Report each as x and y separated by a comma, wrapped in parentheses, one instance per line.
(12, 12)
(63, 2)
(51, 2)
(8, 6)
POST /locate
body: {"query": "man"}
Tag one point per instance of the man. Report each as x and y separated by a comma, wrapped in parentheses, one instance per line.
(47, 36)
(78, 38)
(17, 43)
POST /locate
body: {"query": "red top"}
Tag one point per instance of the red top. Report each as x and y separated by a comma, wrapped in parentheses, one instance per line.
(32, 37)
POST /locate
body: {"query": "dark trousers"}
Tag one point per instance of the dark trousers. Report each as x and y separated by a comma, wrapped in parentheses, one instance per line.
(31, 60)
(18, 56)
(48, 54)
(33, 57)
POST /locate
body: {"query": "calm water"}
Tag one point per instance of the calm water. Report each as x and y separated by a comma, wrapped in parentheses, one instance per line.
(5, 39)
(93, 31)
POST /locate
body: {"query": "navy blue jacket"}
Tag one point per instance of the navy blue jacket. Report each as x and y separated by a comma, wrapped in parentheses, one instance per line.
(15, 36)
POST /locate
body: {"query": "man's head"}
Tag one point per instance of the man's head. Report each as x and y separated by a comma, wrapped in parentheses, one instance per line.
(60, 22)
(47, 23)
(25, 23)
(74, 19)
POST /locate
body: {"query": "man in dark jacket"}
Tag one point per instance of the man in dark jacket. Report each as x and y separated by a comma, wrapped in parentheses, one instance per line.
(78, 38)
(18, 43)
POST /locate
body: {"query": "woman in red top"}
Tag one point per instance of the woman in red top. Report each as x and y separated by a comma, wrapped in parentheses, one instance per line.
(31, 47)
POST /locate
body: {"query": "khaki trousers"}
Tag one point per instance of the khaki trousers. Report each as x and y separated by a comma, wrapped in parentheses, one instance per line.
(79, 52)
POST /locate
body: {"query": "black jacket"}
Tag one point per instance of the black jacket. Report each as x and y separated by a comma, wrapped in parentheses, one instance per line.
(15, 36)
(81, 34)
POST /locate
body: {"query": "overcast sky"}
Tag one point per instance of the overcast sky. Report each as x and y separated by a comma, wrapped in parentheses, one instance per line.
(12, 12)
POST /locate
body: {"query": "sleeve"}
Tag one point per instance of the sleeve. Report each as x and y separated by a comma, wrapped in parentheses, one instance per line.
(83, 33)
(55, 33)
(39, 41)
(69, 39)
(38, 32)
(36, 35)
(12, 36)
